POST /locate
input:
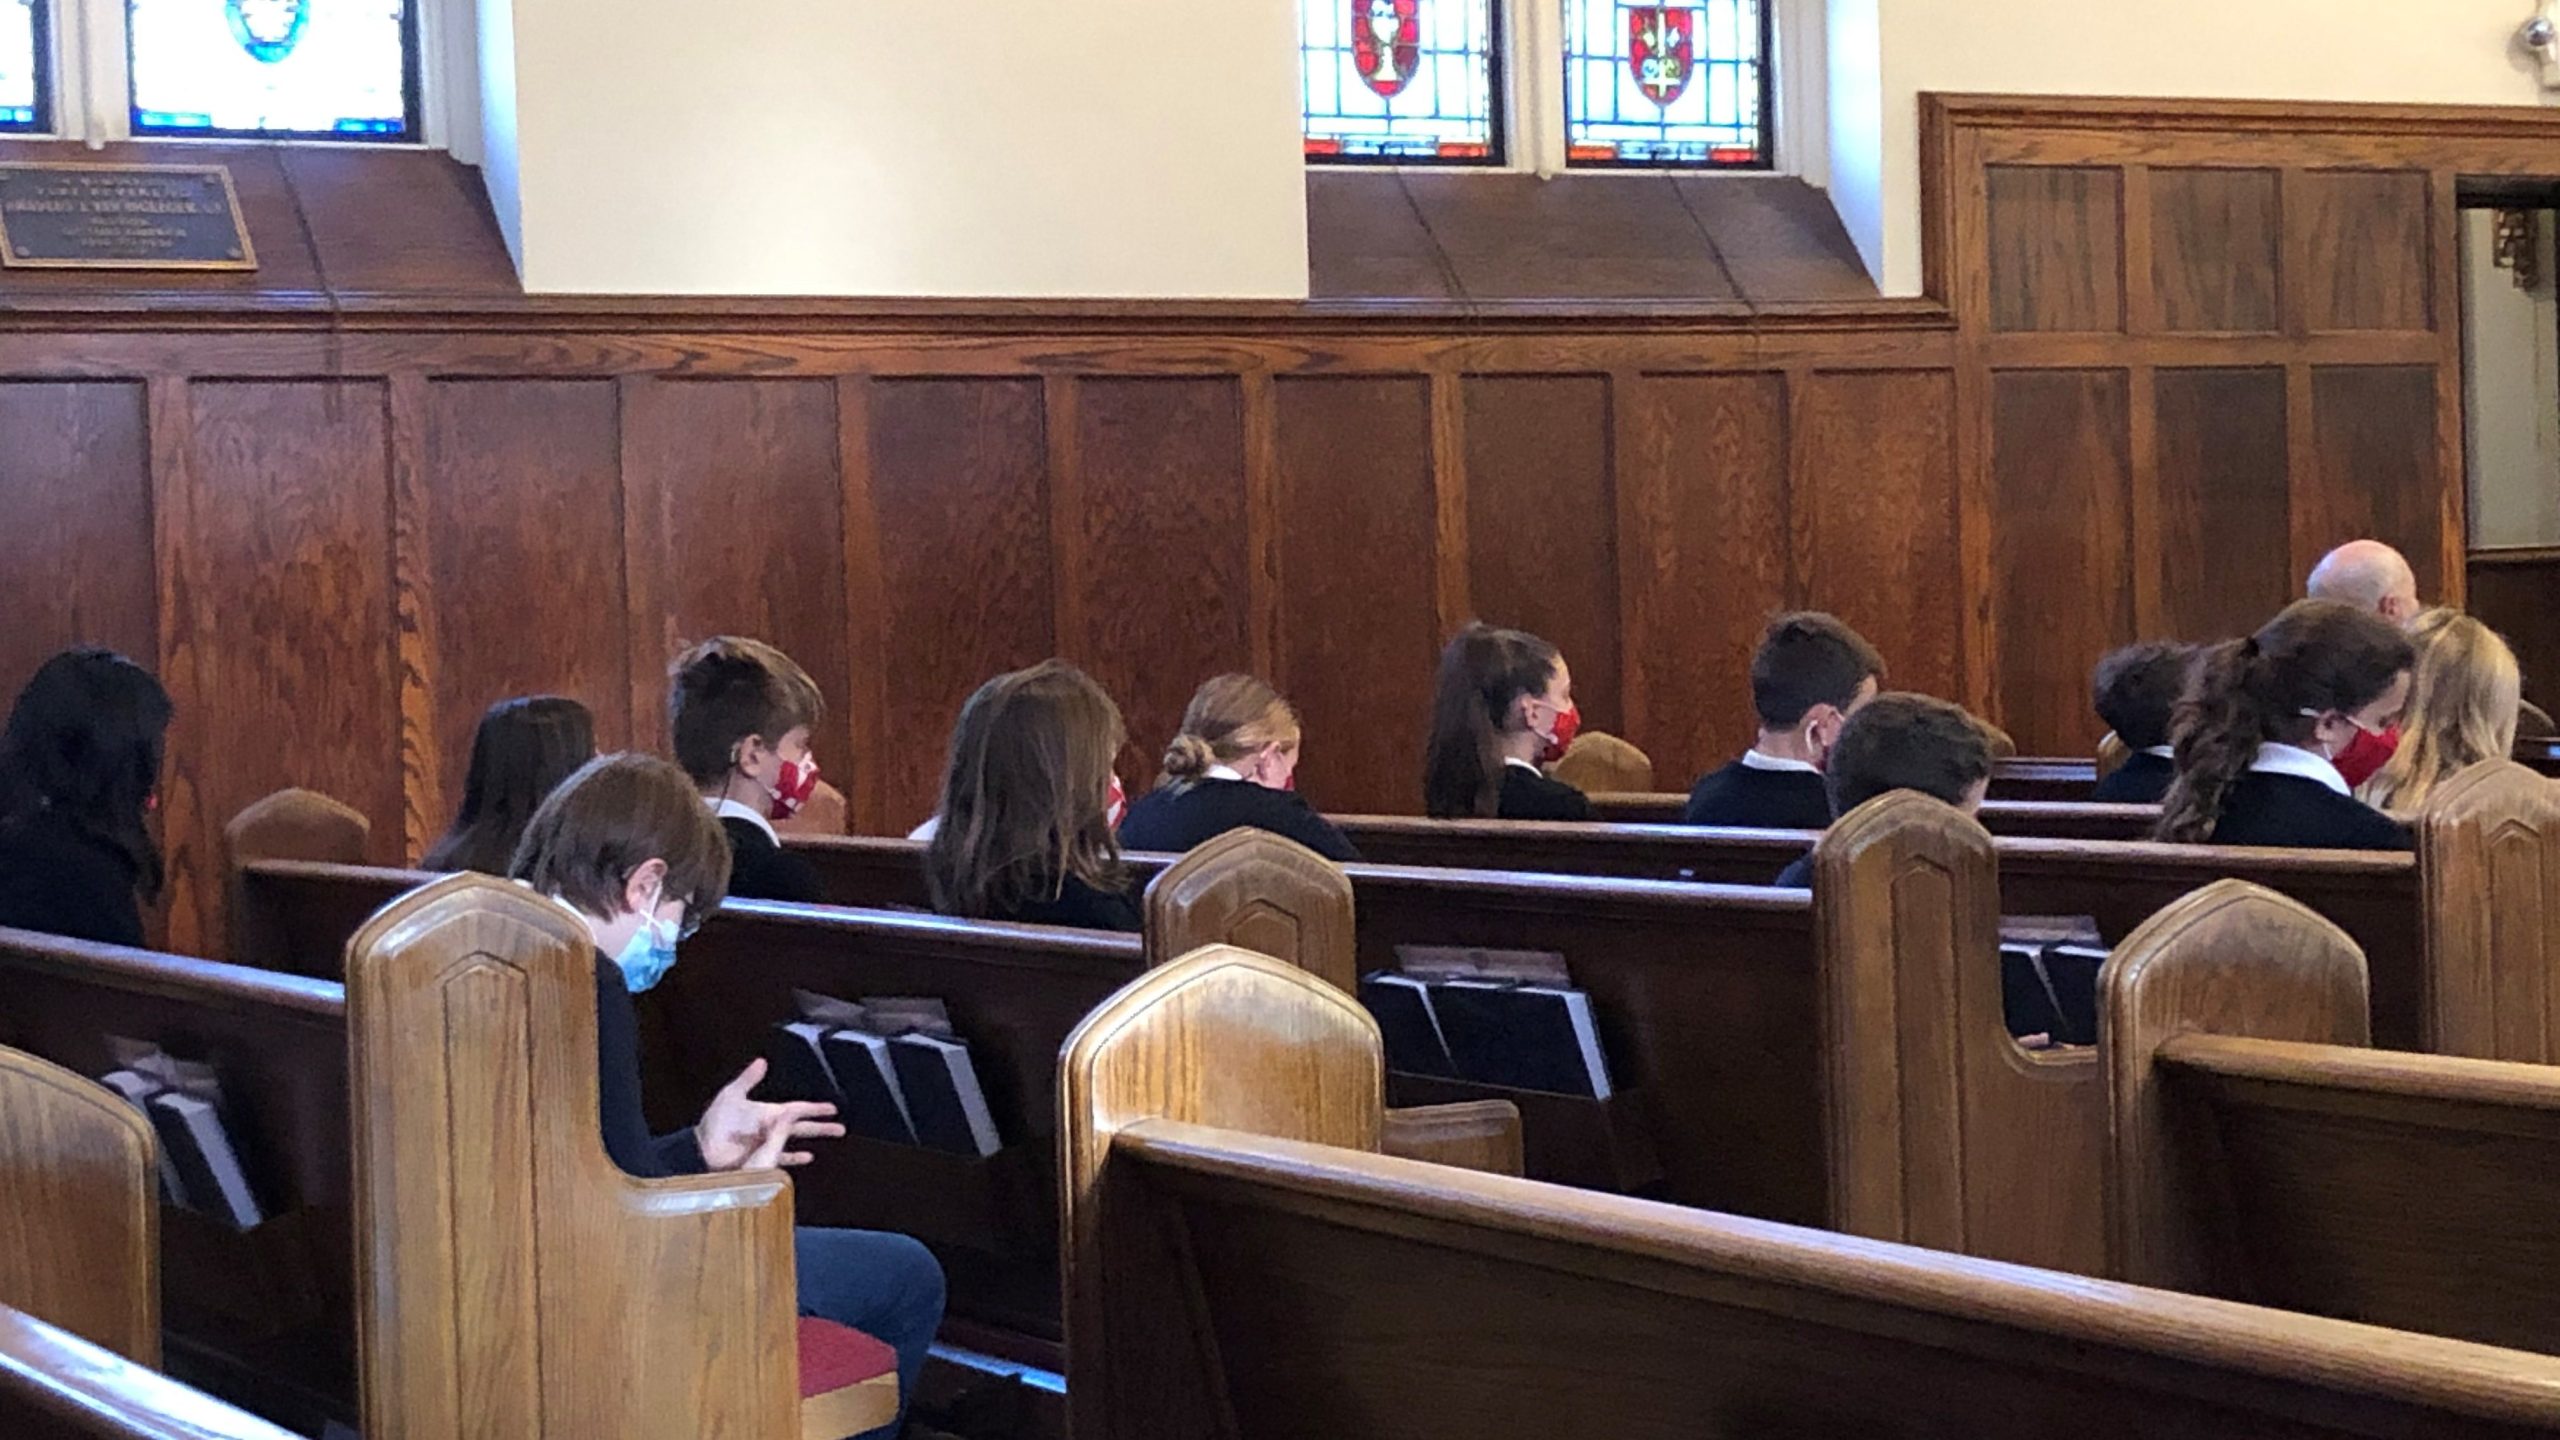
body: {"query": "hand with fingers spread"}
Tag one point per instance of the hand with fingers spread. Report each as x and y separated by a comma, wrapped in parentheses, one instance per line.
(738, 1133)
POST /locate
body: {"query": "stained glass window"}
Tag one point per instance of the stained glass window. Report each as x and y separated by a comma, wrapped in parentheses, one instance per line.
(1401, 81)
(341, 69)
(21, 65)
(1667, 85)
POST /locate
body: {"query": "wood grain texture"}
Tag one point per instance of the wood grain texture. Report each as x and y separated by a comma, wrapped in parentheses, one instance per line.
(80, 1244)
(2511, 594)
(2060, 476)
(75, 484)
(2215, 249)
(56, 1386)
(2365, 258)
(2056, 237)
(1359, 631)
(2377, 467)
(1257, 890)
(2221, 495)
(1540, 500)
(2489, 877)
(957, 486)
(1877, 534)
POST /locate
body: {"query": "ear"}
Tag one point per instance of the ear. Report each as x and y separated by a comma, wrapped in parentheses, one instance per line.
(647, 878)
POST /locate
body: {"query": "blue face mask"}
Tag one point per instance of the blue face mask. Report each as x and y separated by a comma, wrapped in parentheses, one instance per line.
(649, 953)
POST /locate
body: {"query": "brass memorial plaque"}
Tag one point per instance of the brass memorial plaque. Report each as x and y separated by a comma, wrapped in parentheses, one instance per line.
(72, 216)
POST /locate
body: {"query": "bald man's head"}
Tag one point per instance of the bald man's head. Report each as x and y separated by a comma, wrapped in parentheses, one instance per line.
(2370, 576)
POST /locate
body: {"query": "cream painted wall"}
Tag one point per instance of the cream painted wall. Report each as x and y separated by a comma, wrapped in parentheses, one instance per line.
(2511, 390)
(2415, 51)
(1141, 148)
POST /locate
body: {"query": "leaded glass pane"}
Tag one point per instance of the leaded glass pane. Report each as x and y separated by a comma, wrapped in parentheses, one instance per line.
(1668, 85)
(335, 68)
(21, 91)
(1400, 81)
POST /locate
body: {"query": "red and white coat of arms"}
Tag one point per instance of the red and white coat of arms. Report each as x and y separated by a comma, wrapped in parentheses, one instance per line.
(1386, 43)
(1662, 50)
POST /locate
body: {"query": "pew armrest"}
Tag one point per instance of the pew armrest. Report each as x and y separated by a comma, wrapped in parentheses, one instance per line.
(1471, 1134)
(54, 1382)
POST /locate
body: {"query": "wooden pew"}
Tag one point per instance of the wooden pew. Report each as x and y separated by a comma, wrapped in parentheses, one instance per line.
(2261, 1153)
(2489, 878)
(2024, 819)
(56, 1386)
(80, 1249)
(287, 825)
(262, 1318)
(1232, 1284)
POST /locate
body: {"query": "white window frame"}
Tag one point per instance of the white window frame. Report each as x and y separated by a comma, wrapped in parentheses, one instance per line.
(93, 89)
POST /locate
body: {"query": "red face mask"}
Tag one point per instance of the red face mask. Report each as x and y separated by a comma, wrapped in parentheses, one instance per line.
(1568, 725)
(2366, 754)
(793, 787)
(1116, 803)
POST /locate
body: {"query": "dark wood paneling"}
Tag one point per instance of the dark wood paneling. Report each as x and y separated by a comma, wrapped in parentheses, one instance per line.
(1365, 238)
(2215, 246)
(2518, 595)
(2061, 595)
(1877, 542)
(1359, 631)
(2221, 496)
(2377, 464)
(1702, 472)
(2056, 248)
(521, 526)
(294, 615)
(1542, 524)
(1626, 236)
(1161, 538)
(738, 513)
(957, 483)
(2364, 252)
(75, 548)
(1780, 239)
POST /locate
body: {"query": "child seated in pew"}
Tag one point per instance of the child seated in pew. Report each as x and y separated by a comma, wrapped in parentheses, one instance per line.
(522, 751)
(2134, 691)
(79, 776)
(1502, 709)
(628, 845)
(1233, 766)
(1904, 742)
(2266, 721)
(1810, 674)
(1027, 830)
(741, 712)
(2465, 694)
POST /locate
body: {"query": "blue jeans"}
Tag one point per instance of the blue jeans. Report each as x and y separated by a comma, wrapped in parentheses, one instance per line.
(886, 1286)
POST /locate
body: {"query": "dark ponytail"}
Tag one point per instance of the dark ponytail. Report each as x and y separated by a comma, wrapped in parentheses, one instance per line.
(1483, 673)
(2314, 658)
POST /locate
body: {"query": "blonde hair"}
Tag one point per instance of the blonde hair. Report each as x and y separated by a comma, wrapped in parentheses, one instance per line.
(1229, 718)
(2464, 696)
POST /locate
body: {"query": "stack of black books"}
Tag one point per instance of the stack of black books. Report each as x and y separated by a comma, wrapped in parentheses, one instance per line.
(201, 1168)
(2049, 977)
(1489, 1017)
(892, 1067)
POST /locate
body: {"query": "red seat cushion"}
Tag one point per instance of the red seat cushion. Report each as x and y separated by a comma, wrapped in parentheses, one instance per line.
(834, 1356)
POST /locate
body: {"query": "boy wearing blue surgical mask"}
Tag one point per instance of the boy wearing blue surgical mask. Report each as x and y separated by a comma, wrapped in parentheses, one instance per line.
(627, 843)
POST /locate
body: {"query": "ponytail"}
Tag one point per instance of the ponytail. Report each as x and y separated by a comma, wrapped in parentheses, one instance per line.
(1483, 672)
(1187, 759)
(2218, 727)
(1229, 718)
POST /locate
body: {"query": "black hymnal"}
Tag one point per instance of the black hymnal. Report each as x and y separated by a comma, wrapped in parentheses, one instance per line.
(191, 1130)
(137, 1091)
(940, 1083)
(867, 1078)
(2072, 972)
(796, 1064)
(2026, 1000)
(1402, 1007)
(1526, 1037)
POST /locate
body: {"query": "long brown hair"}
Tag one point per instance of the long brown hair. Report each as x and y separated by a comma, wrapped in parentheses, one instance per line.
(1024, 796)
(522, 751)
(1229, 718)
(2464, 697)
(1483, 673)
(2317, 656)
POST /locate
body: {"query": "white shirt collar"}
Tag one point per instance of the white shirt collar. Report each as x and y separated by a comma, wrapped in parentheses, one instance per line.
(1222, 772)
(730, 809)
(2165, 752)
(1529, 765)
(2302, 764)
(1755, 759)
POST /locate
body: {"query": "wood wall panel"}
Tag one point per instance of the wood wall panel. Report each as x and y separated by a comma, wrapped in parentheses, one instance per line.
(736, 513)
(75, 549)
(1542, 524)
(1878, 541)
(2056, 248)
(1162, 532)
(2060, 592)
(1703, 489)
(2216, 243)
(2376, 463)
(958, 484)
(1359, 622)
(2517, 593)
(524, 574)
(2364, 254)
(2220, 496)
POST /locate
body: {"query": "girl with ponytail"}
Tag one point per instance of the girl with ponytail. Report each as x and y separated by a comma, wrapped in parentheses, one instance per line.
(1233, 767)
(1503, 707)
(2262, 724)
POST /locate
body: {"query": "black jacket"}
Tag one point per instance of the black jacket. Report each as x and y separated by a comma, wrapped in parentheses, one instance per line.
(1175, 818)
(1083, 907)
(1538, 797)
(626, 1127)
(759, 869)
(2142, 780)
(59, 879)
(1798, 875)
(1754, 799)
(2289, 810)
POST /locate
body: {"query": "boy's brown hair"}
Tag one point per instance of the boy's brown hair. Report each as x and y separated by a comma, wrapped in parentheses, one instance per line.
(1907, 742)
(728, 688)
(616, 814)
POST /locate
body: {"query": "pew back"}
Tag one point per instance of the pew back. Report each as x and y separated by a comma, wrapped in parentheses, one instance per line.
(2489, 887)
(56, 1386)
(2024, 819)
(1263, 892)
(79, 1211)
